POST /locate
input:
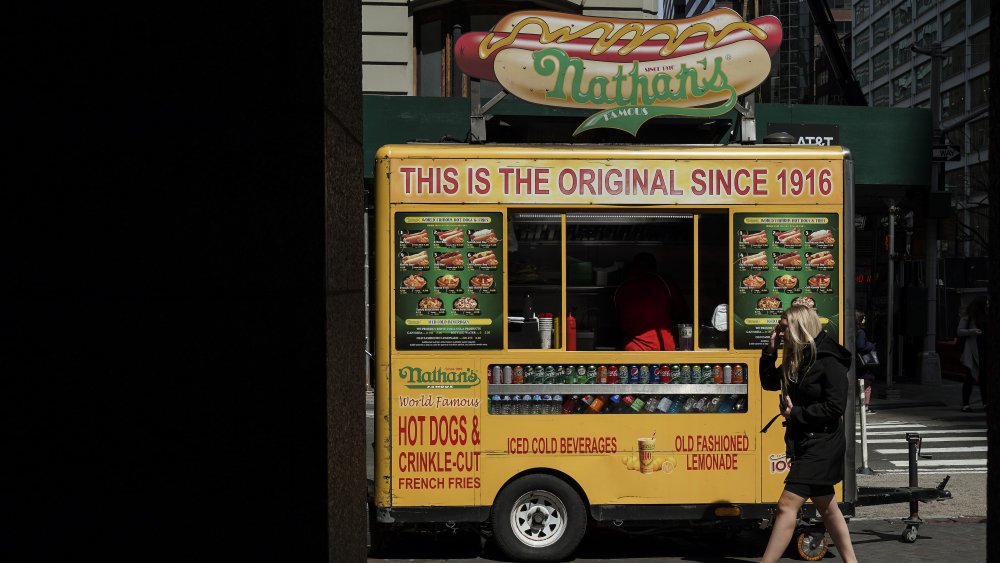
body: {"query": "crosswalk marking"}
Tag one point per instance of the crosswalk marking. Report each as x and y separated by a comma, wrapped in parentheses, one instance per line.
(968, 449)
(941, 462)
(922, 432)
(880, 426)
(922, 439)
(922, 472)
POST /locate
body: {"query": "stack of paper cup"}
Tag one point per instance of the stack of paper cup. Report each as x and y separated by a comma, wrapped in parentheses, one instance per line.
(545, 331)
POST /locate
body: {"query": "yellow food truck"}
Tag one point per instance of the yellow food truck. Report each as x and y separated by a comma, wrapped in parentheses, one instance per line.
(506, 389)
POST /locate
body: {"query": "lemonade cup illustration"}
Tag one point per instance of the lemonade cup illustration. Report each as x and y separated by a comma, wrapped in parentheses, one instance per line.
(647, 446)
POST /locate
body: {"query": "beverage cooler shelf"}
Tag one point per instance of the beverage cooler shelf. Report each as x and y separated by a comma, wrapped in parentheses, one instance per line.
(617, 389)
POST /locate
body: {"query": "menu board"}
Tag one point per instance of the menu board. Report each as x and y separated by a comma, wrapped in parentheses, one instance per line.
(783, 259)
(448, 281)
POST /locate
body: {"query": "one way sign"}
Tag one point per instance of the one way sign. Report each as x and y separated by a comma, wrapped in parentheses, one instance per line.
(945, 153)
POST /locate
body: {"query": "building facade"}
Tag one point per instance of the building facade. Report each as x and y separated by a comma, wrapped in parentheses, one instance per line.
(891, 74)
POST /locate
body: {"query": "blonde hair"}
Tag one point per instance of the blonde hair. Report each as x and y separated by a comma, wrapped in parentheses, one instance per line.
(803, 328)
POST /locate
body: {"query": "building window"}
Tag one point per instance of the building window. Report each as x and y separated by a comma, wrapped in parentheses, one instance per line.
(861, 43)
(902, 15)
(862, 74)
(923, 81)
(880, 29)
(927, 34)
(924, 5)
(979, 135)
(878, 5)
(953, 102)
(979, 91)
(953, 20)
(954, 180)
(979, 180)
(953, 62)
(901, 87)
(980, 10)
(436, 30)
(901, 53)
(880, 96)
(980, 46)
(861, 11)
(880, 63)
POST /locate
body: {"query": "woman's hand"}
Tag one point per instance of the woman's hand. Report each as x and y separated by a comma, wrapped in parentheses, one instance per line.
(786, 410)
(779, 329)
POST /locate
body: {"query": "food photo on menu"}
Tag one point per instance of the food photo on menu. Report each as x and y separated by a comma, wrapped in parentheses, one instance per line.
(413, 238)
(755, 238)
(786, 281)
(449, 260)
(805, 300)
(820, 260)
(481, 281)
(416, 260)
(790, 238)
(787, 260)
(453, 237)
(415, 282)
(769, 304)
(448, 282)
(754, 261)
(483, 260)
(820, 238)
(818, 281)
(753, 281)
(483, 237)
(466, 305)
(430, 305)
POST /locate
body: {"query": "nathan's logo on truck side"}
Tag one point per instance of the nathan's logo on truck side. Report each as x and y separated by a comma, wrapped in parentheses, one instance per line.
(633, 70)
(438, 378)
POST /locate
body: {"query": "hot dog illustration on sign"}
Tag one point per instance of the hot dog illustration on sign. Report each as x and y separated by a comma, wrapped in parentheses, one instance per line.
(633, 70)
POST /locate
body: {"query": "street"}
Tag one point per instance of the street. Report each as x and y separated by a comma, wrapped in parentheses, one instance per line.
(954, 529)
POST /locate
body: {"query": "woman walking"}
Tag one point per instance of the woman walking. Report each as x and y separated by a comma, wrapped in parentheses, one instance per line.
(863, 346)
(971, 331)
(813, 382)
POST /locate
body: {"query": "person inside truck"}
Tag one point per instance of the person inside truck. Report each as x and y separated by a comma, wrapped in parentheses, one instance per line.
(649, 306)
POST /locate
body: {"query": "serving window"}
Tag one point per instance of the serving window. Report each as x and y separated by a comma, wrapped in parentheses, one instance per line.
(626, 279)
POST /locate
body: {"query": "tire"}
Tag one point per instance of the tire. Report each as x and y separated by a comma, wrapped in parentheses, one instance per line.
(538, 518)
(810, 550)
(909, 534)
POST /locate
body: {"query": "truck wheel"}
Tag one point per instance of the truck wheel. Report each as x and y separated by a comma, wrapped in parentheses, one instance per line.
(538, 518)
(910, 534)
(809, 548)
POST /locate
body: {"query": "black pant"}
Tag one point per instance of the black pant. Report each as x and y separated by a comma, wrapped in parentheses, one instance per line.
(969, 382)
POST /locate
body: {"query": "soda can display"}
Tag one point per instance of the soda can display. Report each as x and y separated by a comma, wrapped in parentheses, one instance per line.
(675, 374)
(686, 374)
(591, 375)
(569, 405)
(713, 405)
(555, 406)
(643, 373)
(627, 401)
(585, 402)
(495, 404)
(518, 375)
(633, 374)
(727, 374)
(614, 404)
(664, 404)
(596, 405)
(689, 404)
(602, 374)
(726, 406)
(539, 374)
(676, 405)
(529, 375)
(717, 374)
(496, 374)
(581, 374)
(696, 374)
(738, 375)
(706, 374)
(613, 374)
(537, 406)
(700, 405)
(637, 404)
(623, 374)
(740, 405)
(515, 404)
(550, 375)
(508, 374)
(663, 374)
(651, 403)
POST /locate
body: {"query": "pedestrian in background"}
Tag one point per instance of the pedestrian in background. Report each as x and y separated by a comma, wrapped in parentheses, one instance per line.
(863, 346)
(974, 347)
(813, 381)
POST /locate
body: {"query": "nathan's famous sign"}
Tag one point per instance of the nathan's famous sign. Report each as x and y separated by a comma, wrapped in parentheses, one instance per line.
(633, 70)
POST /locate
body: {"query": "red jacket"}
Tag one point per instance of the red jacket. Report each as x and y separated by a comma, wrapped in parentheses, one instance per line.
(648, 308)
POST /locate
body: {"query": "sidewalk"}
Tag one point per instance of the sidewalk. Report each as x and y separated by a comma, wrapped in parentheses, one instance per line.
(948, 394)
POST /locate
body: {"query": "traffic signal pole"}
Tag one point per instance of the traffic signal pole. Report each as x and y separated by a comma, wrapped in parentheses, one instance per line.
(930, 363)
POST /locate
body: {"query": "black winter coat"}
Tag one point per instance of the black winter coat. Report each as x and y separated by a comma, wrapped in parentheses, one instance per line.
(814, 431)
